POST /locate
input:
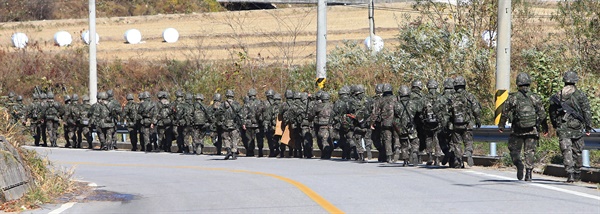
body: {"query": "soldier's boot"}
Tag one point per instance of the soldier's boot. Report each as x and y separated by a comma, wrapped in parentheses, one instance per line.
(429, 159)
(390, 159)
(233, 156)
(519, 170)
(470, 159)
(54, 143)
(436, 161)
(577, 177)
(414, 159)
(528, 175)
(571, 177)
(229, 154)
(361, 158)
(260, 152)
(369, 154)
(405, 162)
(445, 160)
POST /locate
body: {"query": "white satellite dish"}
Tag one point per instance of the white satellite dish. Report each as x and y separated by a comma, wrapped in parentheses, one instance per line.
(170, 35)
(489, 37)
(377, 43)
(133, 36)
(85, 36)
(63, 38)
(19, 40)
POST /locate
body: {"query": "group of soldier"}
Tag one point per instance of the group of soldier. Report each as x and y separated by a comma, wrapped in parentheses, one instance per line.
(401, 126)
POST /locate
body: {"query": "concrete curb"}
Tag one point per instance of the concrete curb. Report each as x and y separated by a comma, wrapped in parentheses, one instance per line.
(587, 174)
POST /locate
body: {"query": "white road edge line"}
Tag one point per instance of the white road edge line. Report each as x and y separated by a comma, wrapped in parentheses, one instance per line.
(541, 186)
(63, 208)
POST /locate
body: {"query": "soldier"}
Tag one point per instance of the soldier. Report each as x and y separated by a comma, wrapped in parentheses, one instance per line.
(431, 118)
(267, 125)
(216, 131)
(34, 113)
(361, 108)
(405, 112)
(383, 114)
(465, 113)
(115, 112)
(130, 117)
(287, 112)
(251, 117)
(305, 124)
(103, 121)
(147, 111)
(230, 121)
(323, 114)
(69, 117)
(17, 111)
(164, 122)
(376, 133)
(52, 118)
(270, 122)
(342, 123)
(188, 131)
(445, 135)
(84, 129)
(181, 113)
(417, 98)
(528, 120)
(202, 120)
(571, 116)
(75, 107)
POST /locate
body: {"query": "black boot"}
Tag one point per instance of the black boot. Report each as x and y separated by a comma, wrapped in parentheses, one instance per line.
(528, 175)
(577, 177)
(429, 159)
(260, 152)
(571, 178)
(405, 162)
(390, 159)
(229, 154)
(361, 158)
(519, 170)
(233, 156)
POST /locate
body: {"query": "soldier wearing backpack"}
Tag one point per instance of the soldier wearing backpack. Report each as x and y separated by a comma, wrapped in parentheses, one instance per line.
(571, 117)
(383, 115)
(360, 112)
(465, 113)
(252, 117)
(407, 143)
(164, 122)
(445, 135)
(201, 122)
(70, 122)
(84, 122)
(323, 114)
(130, 117)
(528, 120)
(417, 97)
(432, 120)
(52, 118)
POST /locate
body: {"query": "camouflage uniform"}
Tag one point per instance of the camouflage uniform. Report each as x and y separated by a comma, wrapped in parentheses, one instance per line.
(342, 124)
(17, 111)
(147, 111)
(216, 130)
(445, 135)
(361, 107)
(131, 119)
(188, 131)
(527, 112)
(383, 115)
(323, 114)
(52, 118)
(376, 130)
(230, 121)
(201, 121)
(181, 113)
(571, 117)
(251, 118)
(103, 121)
(84, 122)
(267, 125)
(417, 97)
(287, 112)
(305, 137)
(115, 112)
(405, 111)
(466, 110)
(432, 120)
(69, 117)
(164, 122)
(35, 112)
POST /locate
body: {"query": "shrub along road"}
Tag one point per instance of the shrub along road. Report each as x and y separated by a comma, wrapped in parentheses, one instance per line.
(135, 182)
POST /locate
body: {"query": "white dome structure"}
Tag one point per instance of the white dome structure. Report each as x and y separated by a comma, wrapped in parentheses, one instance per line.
(19, 40)
(377, 43)
(85, 36)
(133, 36)
(63, 38)
(170, 35)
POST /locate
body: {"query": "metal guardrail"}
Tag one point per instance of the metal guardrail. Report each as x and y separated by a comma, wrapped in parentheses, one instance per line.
(490, 134)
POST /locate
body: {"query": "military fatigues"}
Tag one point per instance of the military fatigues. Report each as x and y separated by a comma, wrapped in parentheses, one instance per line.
(17, 112)
(304, 141)
(287, 112)
(343, 125)
(147, 111)
(70, 116)
(571, 116)
(432, 120)
(269, 121)
(202, 119)
(251, 117)
(230, 122)
(407, 145)
(466, 110)
(361, 108)
(84, 123)
(52, 118)
(445, 135)
(417, 98)
(103, 121)
(181, 115)
(130, 117)
(115, 112)
(323, 114)
(216, 130)
(35, 115)
(164, 124)
(383, 114)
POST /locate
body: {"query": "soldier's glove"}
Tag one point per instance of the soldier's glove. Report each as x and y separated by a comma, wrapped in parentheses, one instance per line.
(478, 123)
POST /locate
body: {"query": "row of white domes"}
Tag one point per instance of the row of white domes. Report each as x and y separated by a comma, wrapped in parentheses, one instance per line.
(63, 38)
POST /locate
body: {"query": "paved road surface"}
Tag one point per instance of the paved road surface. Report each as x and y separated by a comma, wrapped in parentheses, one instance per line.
(134, 182)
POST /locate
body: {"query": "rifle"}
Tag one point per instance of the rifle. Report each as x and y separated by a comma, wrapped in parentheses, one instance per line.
(568, 109)
(237, 113)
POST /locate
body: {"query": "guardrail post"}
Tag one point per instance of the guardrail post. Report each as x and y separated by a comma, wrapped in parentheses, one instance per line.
(493, 152)
(124, 136)
(585, 155)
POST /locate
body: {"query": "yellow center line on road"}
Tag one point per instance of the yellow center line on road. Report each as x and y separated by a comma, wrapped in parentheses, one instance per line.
(309, 192)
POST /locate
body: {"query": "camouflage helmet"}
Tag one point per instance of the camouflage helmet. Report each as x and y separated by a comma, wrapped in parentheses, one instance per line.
(102, 95)
(229, 93)
(129, 97)
(344, 90)
(189, 96)
(179, 93)
(358, 89)
(199, 96)
(75, 97)
(11, 94)
(325, 96)
(50, 95)
(141, 95)
(379, 88)
(570, 77)
(252, 92)
(319, 94)
(297, 95)
(43, 96)
(304, 96)
(388, 88)
(523, 79)
(449, 83)
(289, 94)
(85, 98)
(432, 84)
(277, 96)
(460, 81)
(110, 93)
(417, 84)
(217, 97)
(19, 98)
(146, 95)
(36, 96)
(269, 93)
(67, 98)
(404, 91)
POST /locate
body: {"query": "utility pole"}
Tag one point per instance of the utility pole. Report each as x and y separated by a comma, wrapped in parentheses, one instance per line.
(372, 27)
(321, 43)
(93, 84)
(503, 56)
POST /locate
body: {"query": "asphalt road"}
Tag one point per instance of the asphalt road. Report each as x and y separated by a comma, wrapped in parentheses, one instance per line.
(135, 182)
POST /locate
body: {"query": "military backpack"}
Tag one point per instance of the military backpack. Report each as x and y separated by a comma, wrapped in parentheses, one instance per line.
(525, 114)
(460, 111)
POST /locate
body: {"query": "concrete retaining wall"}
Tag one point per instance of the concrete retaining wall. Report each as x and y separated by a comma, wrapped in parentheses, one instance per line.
(14, 178)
